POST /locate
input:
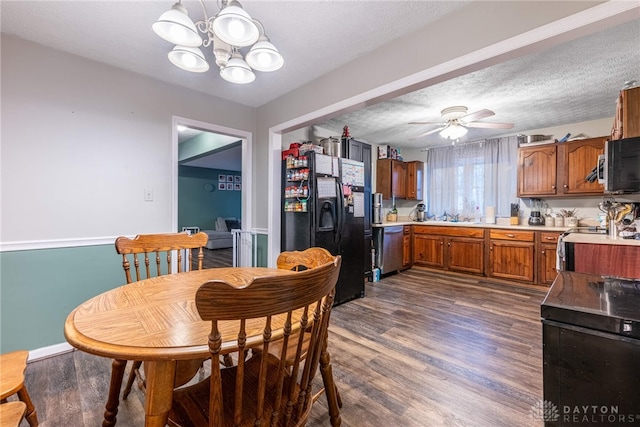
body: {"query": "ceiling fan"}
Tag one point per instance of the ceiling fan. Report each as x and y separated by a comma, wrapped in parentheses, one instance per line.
(455, 122)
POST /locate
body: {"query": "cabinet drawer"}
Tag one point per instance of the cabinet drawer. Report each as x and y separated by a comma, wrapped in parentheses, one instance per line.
(521, 236)
(449, 231)
(407, 229)
(549, 237)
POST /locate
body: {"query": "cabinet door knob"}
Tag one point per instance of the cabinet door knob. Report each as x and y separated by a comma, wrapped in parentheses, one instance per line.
(566, 186)
(553, 187)
(543, 251)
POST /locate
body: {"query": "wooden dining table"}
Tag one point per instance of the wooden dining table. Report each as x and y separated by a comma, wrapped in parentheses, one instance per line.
(156, 321)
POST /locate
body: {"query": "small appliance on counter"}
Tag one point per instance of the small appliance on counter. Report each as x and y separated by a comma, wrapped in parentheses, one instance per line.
(421, 212)
(377, 208)
(535, 217)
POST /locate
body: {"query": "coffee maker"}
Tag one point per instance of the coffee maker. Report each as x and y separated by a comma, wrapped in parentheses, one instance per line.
(535, 217)
(377, 208)
(421, 212)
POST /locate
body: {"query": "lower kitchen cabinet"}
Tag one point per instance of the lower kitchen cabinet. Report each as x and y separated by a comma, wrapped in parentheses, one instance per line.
(511, 255)
(451, 248)
(465, 255)
(406, 247)
(546, 260)
(428, 250)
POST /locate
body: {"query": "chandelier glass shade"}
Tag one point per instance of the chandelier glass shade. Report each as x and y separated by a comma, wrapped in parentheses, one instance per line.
(189, 59)
(225, 33)
(453, 131)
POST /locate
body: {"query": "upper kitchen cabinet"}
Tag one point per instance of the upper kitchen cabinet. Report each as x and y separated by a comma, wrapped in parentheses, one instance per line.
(559, 169)
(391, 178)
(627, 121)
(579, 159)
(415, 179)
(537, 168)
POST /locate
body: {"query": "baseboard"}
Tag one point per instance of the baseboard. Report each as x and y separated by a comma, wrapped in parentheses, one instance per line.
(50, 351)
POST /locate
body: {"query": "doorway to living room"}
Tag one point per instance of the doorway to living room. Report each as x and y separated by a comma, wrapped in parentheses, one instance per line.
(211, 188)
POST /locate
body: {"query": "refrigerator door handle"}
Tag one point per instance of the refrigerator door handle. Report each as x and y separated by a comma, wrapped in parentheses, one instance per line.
(339, 213)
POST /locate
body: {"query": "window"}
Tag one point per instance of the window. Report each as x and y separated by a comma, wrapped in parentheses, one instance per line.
(462, 179)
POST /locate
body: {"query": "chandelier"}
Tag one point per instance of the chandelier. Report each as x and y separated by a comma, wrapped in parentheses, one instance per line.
(226, 33)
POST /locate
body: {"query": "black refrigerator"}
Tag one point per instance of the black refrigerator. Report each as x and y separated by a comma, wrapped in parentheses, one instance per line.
(324, 206)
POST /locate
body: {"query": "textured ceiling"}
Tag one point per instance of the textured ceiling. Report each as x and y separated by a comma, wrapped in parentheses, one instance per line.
(574, 82)
(569, 83)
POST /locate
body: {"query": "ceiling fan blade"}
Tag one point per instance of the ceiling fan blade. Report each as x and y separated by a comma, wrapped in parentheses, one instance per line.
(426, 123)
(481, 114)
(489, 125)
(427, 133)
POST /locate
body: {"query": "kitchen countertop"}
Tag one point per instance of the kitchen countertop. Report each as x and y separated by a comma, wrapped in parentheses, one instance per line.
(599, 239)
(473, 224)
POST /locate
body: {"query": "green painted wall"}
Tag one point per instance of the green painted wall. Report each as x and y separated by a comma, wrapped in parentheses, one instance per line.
(262, 243)
(198, 207)
(39, 288)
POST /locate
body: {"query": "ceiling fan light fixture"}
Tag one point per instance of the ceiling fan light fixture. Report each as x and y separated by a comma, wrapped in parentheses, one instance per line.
(453, 131)
(177, 28)
(233, 25)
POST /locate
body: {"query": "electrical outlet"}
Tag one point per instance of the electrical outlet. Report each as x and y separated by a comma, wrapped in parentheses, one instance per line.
(148, 195)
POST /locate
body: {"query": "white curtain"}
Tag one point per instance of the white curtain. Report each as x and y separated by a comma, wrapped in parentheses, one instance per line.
(464, 179)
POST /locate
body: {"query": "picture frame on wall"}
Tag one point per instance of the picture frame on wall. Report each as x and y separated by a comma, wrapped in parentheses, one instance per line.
(222, 178)
(237, 179)
(237, 187)
(229, 178)
(222, 186)
(229, 186)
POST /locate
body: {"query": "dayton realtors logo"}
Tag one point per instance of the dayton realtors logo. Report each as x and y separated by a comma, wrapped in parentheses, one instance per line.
(581, 414)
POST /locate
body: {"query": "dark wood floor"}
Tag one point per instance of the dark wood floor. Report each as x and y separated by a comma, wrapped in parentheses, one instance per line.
(214, 258)
(421, 349)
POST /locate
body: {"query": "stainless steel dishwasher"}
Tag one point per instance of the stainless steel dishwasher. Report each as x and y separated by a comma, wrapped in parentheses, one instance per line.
(388, 245)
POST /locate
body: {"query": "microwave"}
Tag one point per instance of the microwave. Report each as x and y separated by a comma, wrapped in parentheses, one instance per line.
(621, 166)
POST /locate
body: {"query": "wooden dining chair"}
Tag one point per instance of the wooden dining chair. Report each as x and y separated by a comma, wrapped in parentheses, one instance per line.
(12, 413)
(155, 255)
(12, 369)
(300, 261)
(260, 390)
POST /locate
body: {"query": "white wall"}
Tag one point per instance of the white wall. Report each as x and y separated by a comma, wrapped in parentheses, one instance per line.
(81, 141)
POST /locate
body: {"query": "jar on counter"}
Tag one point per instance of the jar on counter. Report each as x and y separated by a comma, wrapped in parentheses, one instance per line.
(558, 221)
(548, 221)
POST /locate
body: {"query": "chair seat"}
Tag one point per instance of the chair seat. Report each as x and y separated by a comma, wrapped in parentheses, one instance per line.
(13, 367)
(191, 404)
(11, 413)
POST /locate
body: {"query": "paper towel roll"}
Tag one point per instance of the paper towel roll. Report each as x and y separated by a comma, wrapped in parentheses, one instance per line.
(490, 215)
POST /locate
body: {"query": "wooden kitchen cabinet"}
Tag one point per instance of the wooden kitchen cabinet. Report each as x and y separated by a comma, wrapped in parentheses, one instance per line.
(391, 178)
(415, 180)
(627, 120)
(546, 259)
(578, 160)
(511, 255)
(428, 250)
(406, 247)
(537, 168)
(451, 248)
(559, 169)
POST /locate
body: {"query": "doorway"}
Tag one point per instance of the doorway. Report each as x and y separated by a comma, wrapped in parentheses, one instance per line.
(202, 154)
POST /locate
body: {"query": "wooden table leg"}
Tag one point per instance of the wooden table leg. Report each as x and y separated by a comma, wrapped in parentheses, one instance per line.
(329, 386)
(113, 400)
(159, 394)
